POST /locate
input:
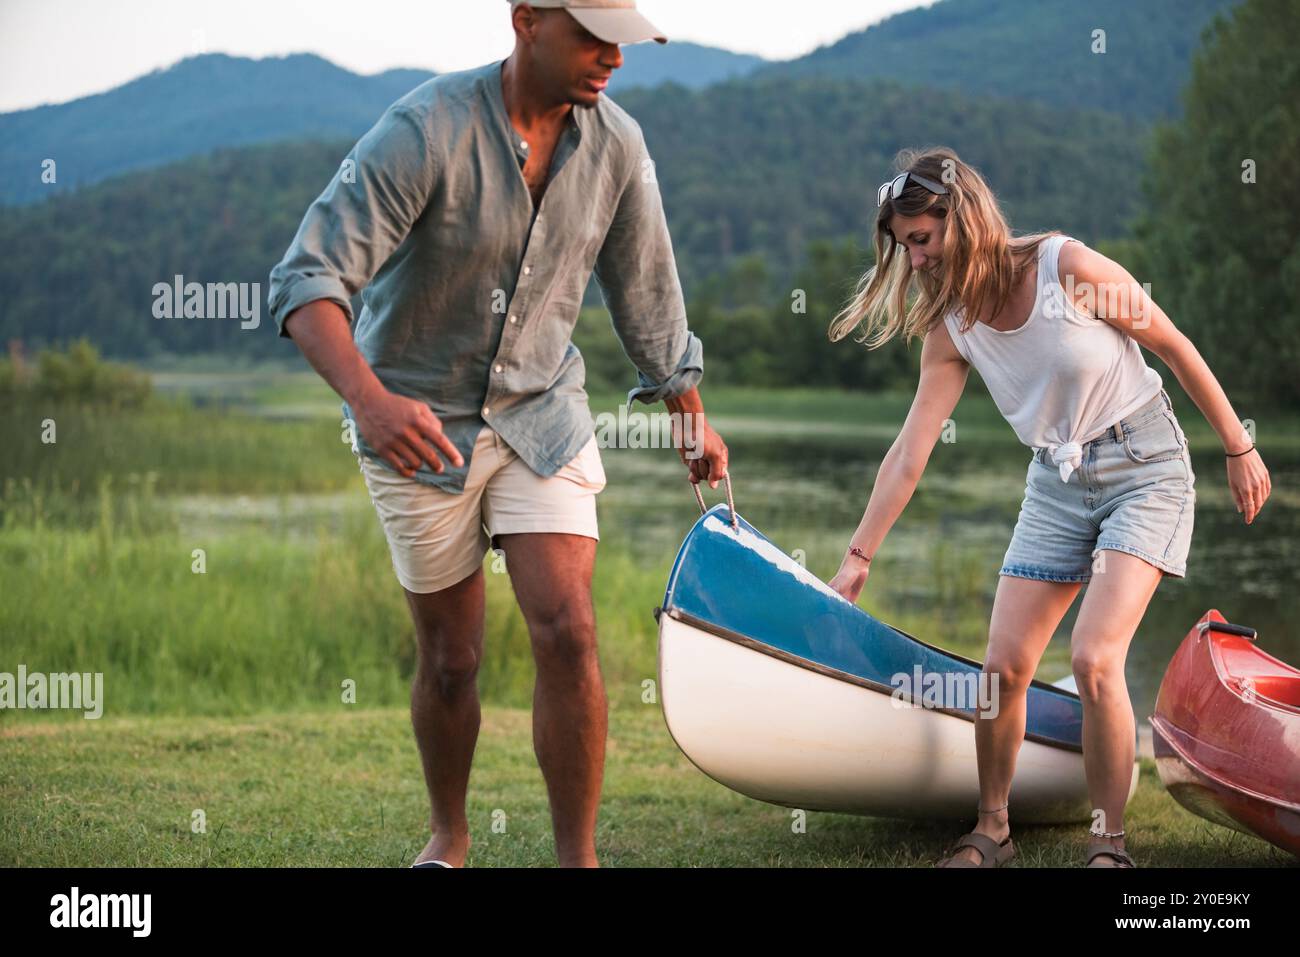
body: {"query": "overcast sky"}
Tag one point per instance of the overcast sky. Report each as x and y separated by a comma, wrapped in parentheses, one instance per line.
(57, 50)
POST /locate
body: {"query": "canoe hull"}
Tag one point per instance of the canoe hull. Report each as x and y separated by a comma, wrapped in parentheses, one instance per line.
(1218, 801)
(777, 687)
(795, 737)
(1226, 735)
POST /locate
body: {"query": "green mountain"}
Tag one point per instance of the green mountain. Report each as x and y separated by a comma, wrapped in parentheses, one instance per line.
(213, 101)
(1041, 50)
(768, 165)
(198, 105)
(686, 64)
(747, 168)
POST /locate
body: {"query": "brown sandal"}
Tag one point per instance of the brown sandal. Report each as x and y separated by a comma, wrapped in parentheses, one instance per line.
(992, 854)
(1104, 849)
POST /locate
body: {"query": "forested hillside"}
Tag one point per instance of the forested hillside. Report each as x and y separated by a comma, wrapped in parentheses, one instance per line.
(746, 169)
(1126, 56)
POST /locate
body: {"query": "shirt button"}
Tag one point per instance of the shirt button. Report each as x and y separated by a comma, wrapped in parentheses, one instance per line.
(514, 318)
(500, 368)
(485, 412)
(523, 144)
(528, 270)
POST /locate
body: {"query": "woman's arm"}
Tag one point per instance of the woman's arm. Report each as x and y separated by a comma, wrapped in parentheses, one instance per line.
(943, 377)
(1102, 286)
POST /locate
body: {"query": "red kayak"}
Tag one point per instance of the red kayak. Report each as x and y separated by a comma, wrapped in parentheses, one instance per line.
(1226, 732)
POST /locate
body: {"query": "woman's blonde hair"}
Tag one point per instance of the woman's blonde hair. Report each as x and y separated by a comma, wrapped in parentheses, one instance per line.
(981, 260)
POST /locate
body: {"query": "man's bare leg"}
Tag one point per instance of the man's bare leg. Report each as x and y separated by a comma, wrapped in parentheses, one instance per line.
(445, 708)
(551, 575)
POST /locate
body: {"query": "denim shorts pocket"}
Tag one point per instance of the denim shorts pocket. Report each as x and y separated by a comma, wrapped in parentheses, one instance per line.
(1158, 439)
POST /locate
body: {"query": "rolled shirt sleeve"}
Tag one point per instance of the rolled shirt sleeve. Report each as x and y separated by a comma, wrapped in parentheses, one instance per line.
(684, 377)
(637, 274)
(362, 216)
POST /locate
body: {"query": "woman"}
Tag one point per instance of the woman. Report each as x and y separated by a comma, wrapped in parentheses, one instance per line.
(1053, 328)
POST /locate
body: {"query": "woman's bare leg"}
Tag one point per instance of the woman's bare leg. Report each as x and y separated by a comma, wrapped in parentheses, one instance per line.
(1112, 608)
(1025, 615)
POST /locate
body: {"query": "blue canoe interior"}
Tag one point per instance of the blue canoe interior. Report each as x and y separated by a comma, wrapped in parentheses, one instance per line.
(733, 582)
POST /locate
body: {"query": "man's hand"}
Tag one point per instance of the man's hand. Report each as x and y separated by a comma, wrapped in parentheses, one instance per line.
(705, 456)
(701, 449)
(404, 432)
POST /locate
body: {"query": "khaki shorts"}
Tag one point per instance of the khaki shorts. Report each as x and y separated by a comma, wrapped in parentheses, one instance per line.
(438, 538)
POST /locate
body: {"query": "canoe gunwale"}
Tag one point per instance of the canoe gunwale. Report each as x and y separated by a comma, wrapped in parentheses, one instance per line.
(1230, 682)
(837, 674)
(720, 508)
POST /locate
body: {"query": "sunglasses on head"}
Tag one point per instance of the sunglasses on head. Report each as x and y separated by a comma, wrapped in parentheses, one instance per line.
(892, 189)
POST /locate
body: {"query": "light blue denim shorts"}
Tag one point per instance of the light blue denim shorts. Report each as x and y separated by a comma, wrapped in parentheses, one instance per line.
(1134, 492)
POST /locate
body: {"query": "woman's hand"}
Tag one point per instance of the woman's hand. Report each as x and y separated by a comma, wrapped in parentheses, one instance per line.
(848, 581)
(1248, 479)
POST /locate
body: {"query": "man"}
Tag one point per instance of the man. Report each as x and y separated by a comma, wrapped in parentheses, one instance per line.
(473, 215)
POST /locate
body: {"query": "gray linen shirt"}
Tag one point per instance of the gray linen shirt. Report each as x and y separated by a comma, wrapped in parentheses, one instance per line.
(469, 299)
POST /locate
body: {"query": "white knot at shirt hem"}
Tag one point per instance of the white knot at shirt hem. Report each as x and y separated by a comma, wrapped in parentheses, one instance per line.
(1069, 456)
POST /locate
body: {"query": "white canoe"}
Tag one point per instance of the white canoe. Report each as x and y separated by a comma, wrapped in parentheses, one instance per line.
(777, 687)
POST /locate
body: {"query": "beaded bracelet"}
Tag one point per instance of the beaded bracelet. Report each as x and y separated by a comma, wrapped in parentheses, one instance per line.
(857, 551)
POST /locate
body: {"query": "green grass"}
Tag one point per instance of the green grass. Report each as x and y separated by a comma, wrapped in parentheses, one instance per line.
(188, 450)
(273, 624)
(283, 609)
(342, 787)
(298, 594)
(223, 688)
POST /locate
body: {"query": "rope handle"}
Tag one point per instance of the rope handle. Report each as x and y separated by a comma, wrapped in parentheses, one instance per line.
(731, 504)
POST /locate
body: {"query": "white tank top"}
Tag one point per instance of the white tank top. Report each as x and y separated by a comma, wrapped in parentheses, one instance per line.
(1063, 378)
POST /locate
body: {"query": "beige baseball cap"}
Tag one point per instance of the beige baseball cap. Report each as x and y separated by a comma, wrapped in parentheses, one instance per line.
(614, 21)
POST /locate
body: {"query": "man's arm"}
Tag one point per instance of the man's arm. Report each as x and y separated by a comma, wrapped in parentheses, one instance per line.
(403, 431)
(364, 214)
(348, 233)
(638, 279)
